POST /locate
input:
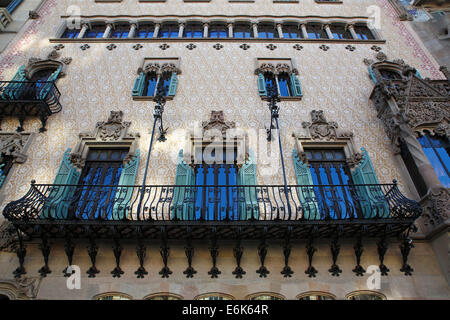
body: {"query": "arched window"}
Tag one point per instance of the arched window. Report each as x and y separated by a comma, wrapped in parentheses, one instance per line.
(214, 296)
(113, 296)
(340, 32)
(163, 296)
(218, 30)
(366, 295)
(316, 296)
(193, 30)
(145, 31)
(364, 33)
(153, 81)
(437, 149)
(267, 31)
(292, 31)
(265, 296)
(242, 30)
(316, 31)
(96, 31)
(389, 74)
(169, 30)
(120, 31)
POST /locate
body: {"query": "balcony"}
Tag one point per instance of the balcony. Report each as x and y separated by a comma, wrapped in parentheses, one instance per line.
(323, 210)
(29, 99)
(210, 213)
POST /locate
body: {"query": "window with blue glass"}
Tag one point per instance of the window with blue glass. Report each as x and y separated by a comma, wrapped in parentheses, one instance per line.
(388, 74)
(103, 167)
(193, 30)
(96, 31)
(243, 31)
(330, 173)
(145, 31)
(291, 31)
(6, 162)
(218, 31)
(169, 30)
(154, 80)
(364, 33)
(120, 31)
(437, 149)
(281, 81)
(316, 31)
(267, 31)
(70, 33)
(213, 199)
(340, 32)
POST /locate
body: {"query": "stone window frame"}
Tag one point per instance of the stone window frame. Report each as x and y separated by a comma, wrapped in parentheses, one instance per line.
(365, 292)
(112, 293)
(264, 293)
(277, 66)
(165, 294)
(107, 134)
(323, 134)
(214, 294)
(316, 293)
(158, 65)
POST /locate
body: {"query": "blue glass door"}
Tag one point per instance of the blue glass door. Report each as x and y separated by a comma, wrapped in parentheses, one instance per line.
(216, 195)
(94, 198)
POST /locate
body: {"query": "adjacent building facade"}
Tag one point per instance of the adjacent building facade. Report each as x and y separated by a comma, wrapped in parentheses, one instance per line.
(223, 150)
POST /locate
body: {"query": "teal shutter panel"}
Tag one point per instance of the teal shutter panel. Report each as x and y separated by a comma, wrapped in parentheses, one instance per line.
(262, 85)
(296, 88)
(59, 198)
(183, 197)
(247, 195)
(372, 75)
(418, 75)
(306, 195)
(139, 85)
(372, 199)
(173, 85)
(50, 81)
(13, 90)
(123, 194)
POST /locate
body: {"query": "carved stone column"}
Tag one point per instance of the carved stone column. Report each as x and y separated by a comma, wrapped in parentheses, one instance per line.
(181, 30)
(255, 30)
(230, 30)
(205, 30)
(280, 30)
(351, 28)
(156, 32)
(108, 29)
(132, 32)
(83, 30)
(328, 31)
(304, 31)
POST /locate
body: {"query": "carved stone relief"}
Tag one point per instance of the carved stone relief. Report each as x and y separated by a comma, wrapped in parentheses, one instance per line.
(13, 144)
(113, 132)
(23, 288)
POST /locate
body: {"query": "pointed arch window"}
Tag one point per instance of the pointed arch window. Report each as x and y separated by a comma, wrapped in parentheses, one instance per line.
(281, 76)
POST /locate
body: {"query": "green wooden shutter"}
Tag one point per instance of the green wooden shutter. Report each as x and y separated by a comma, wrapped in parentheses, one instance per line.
(123, 194)
(296, 88)
(13, 90)
(173, 85)
(183, 197)
(139, 85)
(372, 75)
(248, 195)
(306, 195)
(262, 85)
(418, 75)
(373, 201)
(57, 203)
(50, 81)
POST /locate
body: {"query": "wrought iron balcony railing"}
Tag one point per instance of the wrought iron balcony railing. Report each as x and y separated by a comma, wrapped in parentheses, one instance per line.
(105, 205)
(29, 98)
